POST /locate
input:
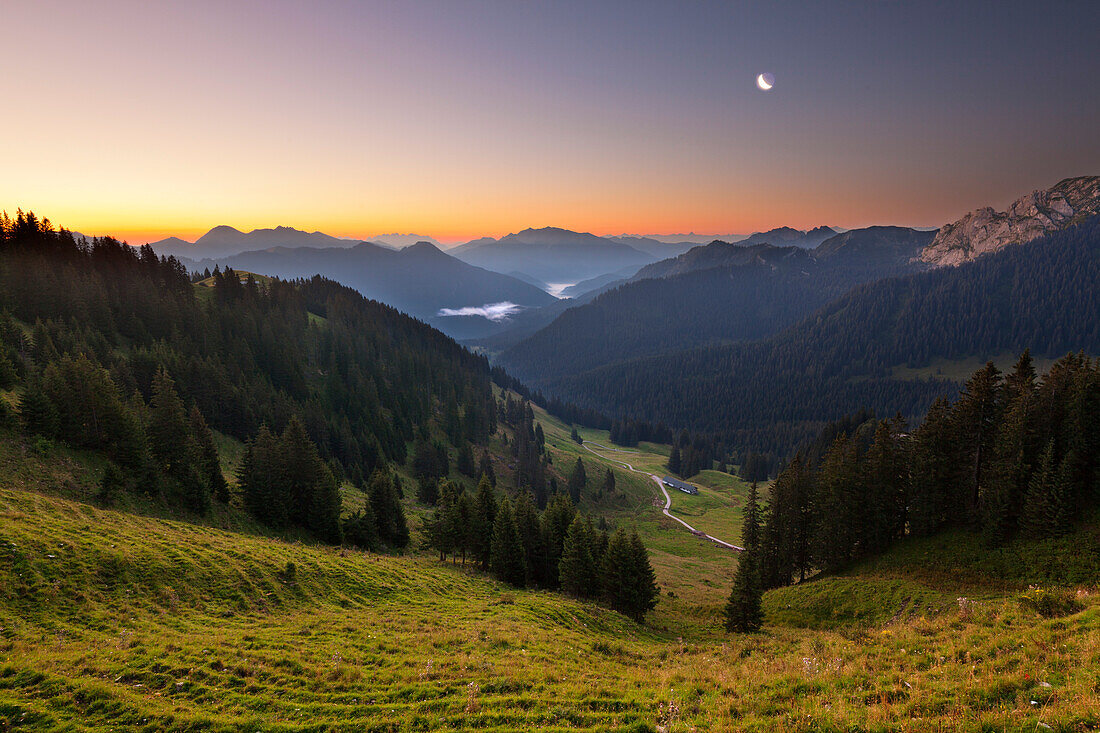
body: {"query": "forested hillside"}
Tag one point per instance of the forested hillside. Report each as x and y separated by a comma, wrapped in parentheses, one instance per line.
(777, 392)
(1014, 456)
(718, 293)
(112, 349)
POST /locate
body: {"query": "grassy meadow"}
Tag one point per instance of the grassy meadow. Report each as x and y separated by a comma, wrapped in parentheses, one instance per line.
(133, 620)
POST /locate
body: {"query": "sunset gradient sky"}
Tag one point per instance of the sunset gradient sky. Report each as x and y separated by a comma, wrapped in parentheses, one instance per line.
(460, 119)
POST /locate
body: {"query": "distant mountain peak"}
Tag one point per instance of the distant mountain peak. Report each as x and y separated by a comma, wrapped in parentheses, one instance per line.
(986, 230)
(424, 247)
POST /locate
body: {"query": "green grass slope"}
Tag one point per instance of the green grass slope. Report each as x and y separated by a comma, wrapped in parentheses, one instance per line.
(112, 621)
(135, 620)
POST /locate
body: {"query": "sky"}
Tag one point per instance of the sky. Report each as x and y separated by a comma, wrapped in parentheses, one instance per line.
(460, 119)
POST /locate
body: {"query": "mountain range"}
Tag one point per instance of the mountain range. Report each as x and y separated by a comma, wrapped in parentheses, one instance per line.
(874, 347)
(224, 241)
(719, 292)
(419, 280)
(552, 255)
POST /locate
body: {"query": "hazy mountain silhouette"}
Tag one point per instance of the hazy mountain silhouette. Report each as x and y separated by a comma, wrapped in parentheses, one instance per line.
(788, 235)
(714, 293)
(419, 280)
(551, 255)
(400, 241)
(224, 241)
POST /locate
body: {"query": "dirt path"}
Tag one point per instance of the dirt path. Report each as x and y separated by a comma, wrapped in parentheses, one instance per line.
(661, 486)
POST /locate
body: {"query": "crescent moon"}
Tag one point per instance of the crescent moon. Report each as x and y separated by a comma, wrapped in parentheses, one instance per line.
(763, 83)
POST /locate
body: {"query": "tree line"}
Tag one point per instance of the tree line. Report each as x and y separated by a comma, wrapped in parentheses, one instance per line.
(1013, 456)
(557, 548)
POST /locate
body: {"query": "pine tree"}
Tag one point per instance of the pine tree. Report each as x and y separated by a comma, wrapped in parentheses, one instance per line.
(750, 525)
(168, 429)
(976, 416)
(608, 488)
(616, 574)
(646, 591)
(838, 505)
(323, 513)
(576, 570)
(554, 524)
(530, 535)
(506, 558)
(361, 528)
(389, 514)
(440, 532)
(460, 513)
(885, 483)
(37, 412)
(1046, 511)
(743, 612)
(482, 522)
(208, 463)
(674, 463)
(935, 494)
(577, 481)
(1012, 465)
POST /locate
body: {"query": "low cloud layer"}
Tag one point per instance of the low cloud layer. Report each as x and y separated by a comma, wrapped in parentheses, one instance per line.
(491, 311)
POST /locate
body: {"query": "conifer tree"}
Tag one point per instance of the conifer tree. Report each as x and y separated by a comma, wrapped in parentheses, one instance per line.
(208, 463)
(838, 503)
(461, 513)
(323, 511)
(168, 429)
(674, 463)
(261, 483)
(627, 580)
(577, 481)
(976, 416)
(554, 524)
(482, 522)
(750, 525)
(1012, 465)
(361, 528)
(885, 475)
(935, 470)
(646, 590)
(530, 535)
(576, 570)
(743, 612)
(506, 558)
(389, 514)
(37, 412)
(440, 532)
(616, 574)
(1047, 512)
(608, 488)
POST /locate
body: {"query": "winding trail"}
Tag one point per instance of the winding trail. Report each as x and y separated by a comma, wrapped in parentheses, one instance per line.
(661, 486)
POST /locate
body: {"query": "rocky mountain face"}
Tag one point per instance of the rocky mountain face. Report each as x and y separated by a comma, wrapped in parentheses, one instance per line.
(986, 230)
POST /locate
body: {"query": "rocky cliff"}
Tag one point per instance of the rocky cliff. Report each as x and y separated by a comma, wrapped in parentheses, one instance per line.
(985, 230)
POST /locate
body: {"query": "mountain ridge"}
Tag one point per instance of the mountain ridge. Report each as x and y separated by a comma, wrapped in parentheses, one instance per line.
(986, 230)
